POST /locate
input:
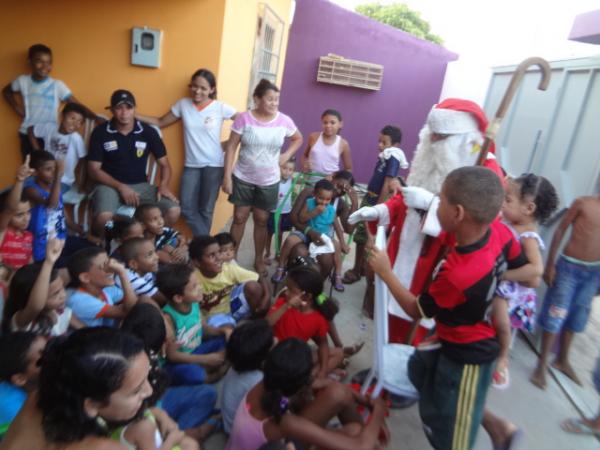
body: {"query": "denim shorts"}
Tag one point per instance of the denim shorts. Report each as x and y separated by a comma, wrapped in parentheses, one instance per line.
(569, 300)
(285, 223)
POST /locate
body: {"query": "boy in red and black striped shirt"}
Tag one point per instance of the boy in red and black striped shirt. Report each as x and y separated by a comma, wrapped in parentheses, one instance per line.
(453, 380)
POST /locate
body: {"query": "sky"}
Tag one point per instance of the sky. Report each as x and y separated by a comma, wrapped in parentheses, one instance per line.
(488, 33)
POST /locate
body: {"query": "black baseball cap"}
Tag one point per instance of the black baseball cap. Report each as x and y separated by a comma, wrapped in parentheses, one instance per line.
(121, 96)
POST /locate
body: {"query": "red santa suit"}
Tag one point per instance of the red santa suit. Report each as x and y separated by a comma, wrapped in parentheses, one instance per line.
(412, 253)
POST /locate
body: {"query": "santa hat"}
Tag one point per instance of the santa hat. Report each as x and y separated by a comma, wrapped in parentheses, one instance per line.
(457, 116)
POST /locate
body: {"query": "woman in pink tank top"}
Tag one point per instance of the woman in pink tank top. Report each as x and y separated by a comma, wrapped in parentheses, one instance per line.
(325, 148)
(265, 414)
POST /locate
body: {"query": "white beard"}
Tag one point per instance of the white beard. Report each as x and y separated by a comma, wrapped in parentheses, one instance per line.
(433, 161)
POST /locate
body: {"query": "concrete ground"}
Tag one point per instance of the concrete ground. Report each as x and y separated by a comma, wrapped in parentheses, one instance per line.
(538, 413)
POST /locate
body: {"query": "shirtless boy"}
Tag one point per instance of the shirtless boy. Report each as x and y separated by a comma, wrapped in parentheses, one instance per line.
(572, 283)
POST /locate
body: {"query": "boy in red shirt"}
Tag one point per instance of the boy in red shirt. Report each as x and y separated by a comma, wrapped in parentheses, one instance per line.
(453, 380)
(15, 241)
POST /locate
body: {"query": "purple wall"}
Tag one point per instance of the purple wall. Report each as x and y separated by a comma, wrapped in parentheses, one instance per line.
(412, 78)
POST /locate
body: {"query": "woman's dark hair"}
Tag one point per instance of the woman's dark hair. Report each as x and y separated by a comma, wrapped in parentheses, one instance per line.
(172, 279)
(117, 229)
(332, 112)
(199, 244)
(90, 363)
(19, 290)
(249, 345)
(542, 193)
(262, 87)
(145, 322)
(287, 370)
(210, 79)
(14, 348)
(344, 175)
(81, 262)
(310, 281)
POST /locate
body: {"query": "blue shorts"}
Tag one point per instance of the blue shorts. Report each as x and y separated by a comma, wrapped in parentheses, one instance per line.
(190, 374)
(285, 223)
(568, 302)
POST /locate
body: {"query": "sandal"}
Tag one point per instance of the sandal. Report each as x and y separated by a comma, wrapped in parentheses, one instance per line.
(350, 277)
(578, 426)
(279, 275)
(336, 280)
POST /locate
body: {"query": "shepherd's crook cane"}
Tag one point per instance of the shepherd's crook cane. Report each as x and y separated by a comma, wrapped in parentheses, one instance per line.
(494, 125)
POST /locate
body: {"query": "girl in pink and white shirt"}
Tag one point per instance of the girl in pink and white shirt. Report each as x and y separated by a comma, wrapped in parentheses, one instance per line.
(253, 183)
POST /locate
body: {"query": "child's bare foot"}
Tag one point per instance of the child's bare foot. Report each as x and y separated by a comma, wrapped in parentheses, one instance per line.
(538, 378)
(567, 369)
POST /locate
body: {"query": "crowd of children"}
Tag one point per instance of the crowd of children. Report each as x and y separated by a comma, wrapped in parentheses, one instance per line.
(133, 324)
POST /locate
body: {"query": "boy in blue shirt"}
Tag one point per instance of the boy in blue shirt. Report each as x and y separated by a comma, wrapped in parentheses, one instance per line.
(43, 190)
(19, 353)
(41, 95)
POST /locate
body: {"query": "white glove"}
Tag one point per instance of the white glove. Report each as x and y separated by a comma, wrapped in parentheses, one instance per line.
(417, 198)
(367, 213)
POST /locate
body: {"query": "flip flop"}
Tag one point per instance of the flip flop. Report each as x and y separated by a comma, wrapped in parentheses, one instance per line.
(577, 426)
(513, 441)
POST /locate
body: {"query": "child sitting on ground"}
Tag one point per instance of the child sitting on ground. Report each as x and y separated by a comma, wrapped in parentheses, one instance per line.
(248, 346)
(190, 406)
(529, 201)
(231, 293)
(97, 301)
(320, 217)
(284, 203)
(16, 242)
(47, 212)
(281, 407)
(461, 292)
(19, 371)
(303, 311)
(170, 245)
(117, 231)
(141, 261)
(191, 359)
(36, 299)
(227, 247)
(63, 141)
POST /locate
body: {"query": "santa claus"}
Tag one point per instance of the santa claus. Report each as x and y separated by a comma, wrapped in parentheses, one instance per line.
(451, 138)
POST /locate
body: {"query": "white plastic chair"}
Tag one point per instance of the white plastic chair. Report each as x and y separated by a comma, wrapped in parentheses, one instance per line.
(390, 361)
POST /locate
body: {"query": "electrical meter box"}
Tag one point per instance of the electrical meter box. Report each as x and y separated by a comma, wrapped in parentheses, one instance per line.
(145, 46)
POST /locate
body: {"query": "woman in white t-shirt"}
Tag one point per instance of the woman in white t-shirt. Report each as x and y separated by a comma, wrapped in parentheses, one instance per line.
(253, 184)
(202, 117)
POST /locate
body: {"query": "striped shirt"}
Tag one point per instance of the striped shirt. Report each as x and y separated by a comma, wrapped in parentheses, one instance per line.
(141, 284)
(168, 237)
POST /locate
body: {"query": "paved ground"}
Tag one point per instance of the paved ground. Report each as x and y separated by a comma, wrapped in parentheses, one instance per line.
(538, 413)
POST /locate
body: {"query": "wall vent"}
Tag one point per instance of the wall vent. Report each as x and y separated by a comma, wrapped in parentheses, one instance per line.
(335, 69)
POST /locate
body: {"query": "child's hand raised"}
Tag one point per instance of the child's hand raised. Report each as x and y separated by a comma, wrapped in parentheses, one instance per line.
(24, 171)
(54, 248)
(60, 167)
(114, 266)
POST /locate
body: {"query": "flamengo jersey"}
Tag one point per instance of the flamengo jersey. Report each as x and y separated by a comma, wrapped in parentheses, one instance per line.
(461, 294)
